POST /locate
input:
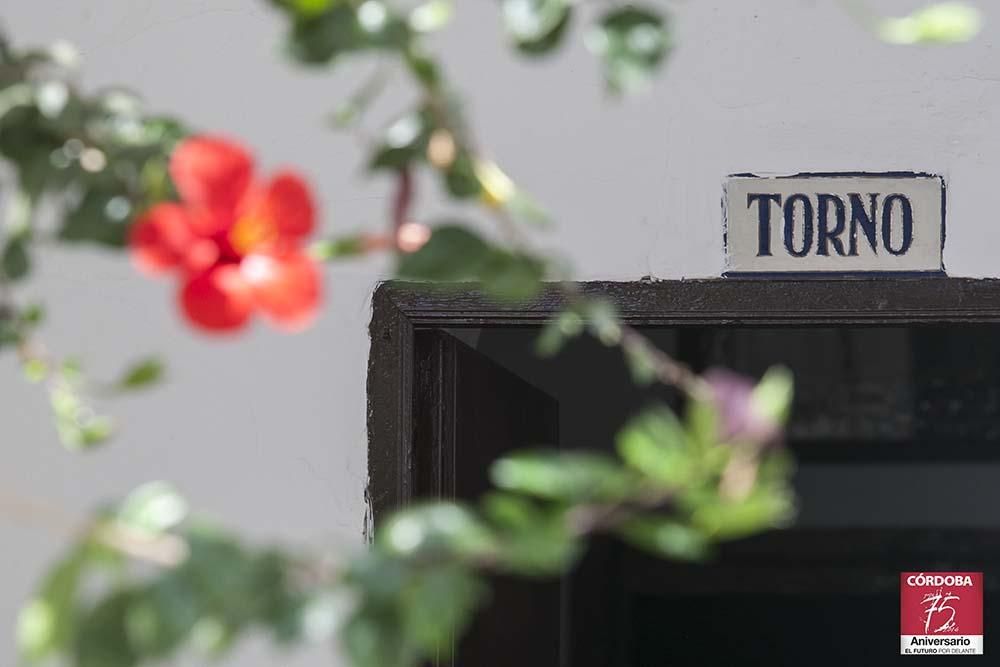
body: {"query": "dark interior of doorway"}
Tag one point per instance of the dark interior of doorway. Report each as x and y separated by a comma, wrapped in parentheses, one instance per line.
(895, 433)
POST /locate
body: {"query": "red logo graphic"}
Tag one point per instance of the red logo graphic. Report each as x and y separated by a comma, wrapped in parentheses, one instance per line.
(941, 613)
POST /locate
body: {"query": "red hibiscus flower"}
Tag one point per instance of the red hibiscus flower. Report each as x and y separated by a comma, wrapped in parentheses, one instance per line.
(236, 243)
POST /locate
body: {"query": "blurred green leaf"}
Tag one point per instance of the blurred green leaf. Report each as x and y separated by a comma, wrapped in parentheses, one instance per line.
(142, 374)
(437, 606)
(10, 333)
(640, 361)
(702, 422)
(15, 261)
(47, 623)
(373, 637)
(32, 315)
(152, 508)
(162, 616)
(511, 276)
(536, 26)
(423, 67)
(664, 537)
(632, 42)
(557, 331)
(568, 476)
(534, 539)
(102, 639)
(769, 505)
(319, 37)
(101, 216)
(35, 370)
(79, 427)
(404, 142)
(527, 211)
(772, 397)
(455, 254)
(941, 23)
(325, 250)
(437, 528)
(601, 318)
(307, 7)
(431, 15)
(460, 177)
(655, 444)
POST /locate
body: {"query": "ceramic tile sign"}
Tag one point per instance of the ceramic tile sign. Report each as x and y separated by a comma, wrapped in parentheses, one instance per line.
(846, 223)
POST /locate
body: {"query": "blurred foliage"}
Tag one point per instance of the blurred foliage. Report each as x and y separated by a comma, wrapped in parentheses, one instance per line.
(99, 159)
(942, 23)
(632, 43)
(402, 602)
(145, 581)
(98, 156)
(454, 253)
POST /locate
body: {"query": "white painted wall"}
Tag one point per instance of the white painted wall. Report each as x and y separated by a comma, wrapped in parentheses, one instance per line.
(269, 432)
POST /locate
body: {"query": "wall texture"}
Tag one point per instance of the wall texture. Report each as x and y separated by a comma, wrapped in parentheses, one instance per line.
(268, 432)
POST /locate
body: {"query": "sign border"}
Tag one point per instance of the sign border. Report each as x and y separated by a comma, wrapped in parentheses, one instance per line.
(858, 274)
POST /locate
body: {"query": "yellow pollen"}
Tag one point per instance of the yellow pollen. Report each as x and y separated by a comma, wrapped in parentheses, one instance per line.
(251, 232)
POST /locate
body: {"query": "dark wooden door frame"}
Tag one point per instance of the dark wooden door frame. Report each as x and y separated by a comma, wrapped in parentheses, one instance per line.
(400, 310)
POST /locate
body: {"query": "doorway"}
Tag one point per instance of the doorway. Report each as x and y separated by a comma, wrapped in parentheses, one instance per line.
(896, 428)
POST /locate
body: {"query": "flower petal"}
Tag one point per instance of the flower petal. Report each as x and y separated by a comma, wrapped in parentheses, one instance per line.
(161, 238)
(287, 287)
(218, 300)
(211, 173)
(740, 420)
(288, 202)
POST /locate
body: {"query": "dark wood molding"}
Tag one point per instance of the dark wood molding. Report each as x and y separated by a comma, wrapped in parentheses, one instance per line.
(884, 300)
(401, 310)
(390, 405)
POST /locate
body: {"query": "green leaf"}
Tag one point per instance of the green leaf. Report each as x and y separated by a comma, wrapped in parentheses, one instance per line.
(404, 142)
(640, 361)
(431, 15)
(535, 538)
(941, 23)
(307, 8)
(374, 637)
(437, 528)
(632, 42)
(557, 331)
(702, 422)
(46, 624)
(455, 254)
(15, 261)
(325, 250)
(103, 639)
(142, 374)
(101, 216)
(601, 317)
(162, 616)
(536, 26)
(526, 210)
(769, 505)
(772, 397)
(664, 537)
(567, 476)
(437, 606)
(655, 444)
(152, 508)
(512, 277)
(319, 38)
(79, 427)
(460, 177)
